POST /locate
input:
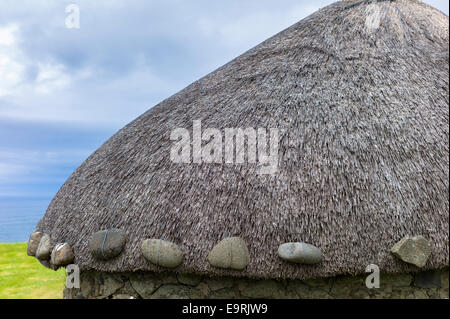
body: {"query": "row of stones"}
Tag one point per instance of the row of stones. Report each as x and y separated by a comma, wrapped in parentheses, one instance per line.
(230, 253)
(431, 284)
(39, 246)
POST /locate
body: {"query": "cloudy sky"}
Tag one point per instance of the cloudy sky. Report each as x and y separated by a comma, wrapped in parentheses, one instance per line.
(63, 92)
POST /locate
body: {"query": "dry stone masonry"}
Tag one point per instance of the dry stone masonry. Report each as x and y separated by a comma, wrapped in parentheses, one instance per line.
(168, 285)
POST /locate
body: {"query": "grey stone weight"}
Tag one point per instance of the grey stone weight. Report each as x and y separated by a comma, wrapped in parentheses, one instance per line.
(161, 252)
(62, 255)
(230, 253)
(43, 250)
(33, 243)
(300, 253)
(413, 250)
(107, 244)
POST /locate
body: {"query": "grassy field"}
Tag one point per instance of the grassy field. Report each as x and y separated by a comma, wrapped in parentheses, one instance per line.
(23, 277)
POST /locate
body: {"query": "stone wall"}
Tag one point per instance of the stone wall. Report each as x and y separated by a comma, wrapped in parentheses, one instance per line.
(424, 285)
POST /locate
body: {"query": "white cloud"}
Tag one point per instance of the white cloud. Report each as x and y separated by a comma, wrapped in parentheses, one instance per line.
(40, 98)
(7, 35)
(19, 165)
(11, 70)
(58, 97)
(248, 29)
(51, 77)
(57, 94)
(257, 27)
(55, 90)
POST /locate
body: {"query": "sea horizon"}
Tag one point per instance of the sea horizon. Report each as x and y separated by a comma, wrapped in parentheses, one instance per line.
(19, 217)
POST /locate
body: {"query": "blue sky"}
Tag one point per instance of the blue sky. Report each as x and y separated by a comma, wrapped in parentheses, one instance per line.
(63, 92)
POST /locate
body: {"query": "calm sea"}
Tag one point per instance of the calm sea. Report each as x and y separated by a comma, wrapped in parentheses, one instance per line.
(19, 217)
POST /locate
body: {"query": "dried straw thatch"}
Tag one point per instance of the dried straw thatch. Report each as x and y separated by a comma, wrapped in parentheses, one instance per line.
(361, 89)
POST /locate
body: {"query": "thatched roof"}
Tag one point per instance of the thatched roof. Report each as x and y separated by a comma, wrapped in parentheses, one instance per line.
(361, 90)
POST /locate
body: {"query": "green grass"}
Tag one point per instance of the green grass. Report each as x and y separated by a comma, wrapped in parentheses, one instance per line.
(23, 277)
